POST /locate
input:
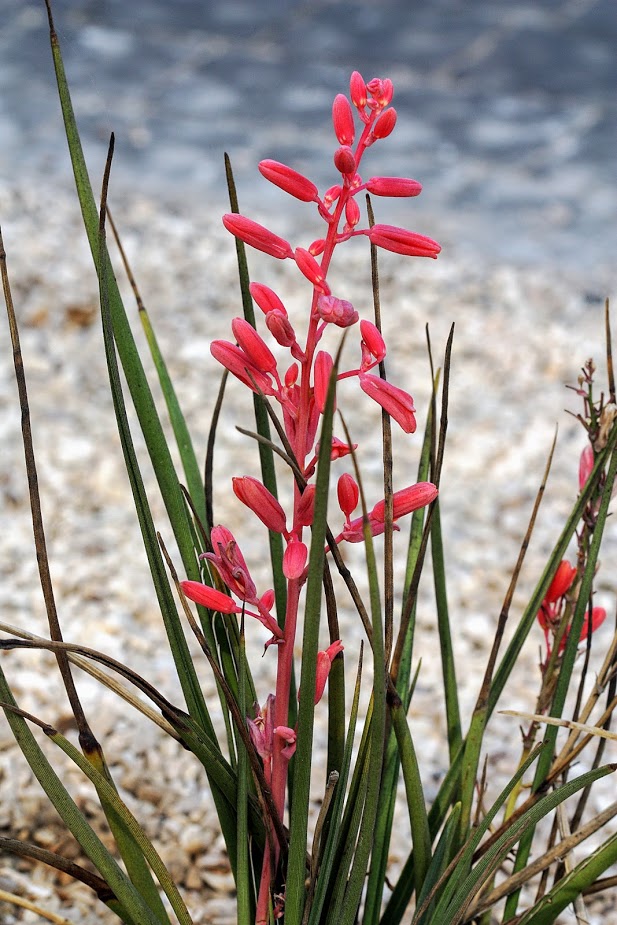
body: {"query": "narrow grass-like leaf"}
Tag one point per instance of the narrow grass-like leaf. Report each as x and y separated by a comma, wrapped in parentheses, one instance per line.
(110, 795)
(570, 886)
(376, 742)
(184, 442)
(333, 838)
(453, 713)
(441, 856)
(107, 866)
(485, 868)
(143, 402)
(415, 795)
(243, 871)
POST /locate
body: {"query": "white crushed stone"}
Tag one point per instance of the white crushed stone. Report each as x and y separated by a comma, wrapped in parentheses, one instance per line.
(521, 334)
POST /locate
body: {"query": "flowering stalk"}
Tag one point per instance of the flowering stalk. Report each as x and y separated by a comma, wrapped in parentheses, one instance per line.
(300, 388)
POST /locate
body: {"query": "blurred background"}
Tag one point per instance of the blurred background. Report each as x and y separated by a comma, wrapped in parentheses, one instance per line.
(507, 111)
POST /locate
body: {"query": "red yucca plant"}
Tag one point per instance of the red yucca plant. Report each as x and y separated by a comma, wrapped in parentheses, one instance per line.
(467, 863)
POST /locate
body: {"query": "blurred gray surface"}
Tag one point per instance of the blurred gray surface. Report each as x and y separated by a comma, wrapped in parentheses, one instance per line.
(507, 111)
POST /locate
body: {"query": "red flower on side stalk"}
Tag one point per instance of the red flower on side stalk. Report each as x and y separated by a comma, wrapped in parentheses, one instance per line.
(395, 401)
(553, 606)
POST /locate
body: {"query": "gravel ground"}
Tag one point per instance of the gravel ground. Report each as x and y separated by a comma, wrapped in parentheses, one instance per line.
(521, 335)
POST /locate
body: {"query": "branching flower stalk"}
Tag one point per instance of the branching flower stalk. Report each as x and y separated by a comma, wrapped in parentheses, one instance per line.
(300, 389)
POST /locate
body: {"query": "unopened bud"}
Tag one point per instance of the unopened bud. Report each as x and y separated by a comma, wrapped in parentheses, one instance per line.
(255, 235)
(401, 241)
(253, 345)
(266, 298)
(344, 160)
(289, 180)
(384, 125)
(357, 90)
(342, 118)
(393, 186)
(309, 267)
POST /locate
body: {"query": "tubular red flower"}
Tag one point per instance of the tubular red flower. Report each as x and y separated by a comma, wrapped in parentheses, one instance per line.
(237, 362)
(257, 236)
(348, 493)
(336, 311)
(406, 500)
(393, 186)
(342, 119)
(357, 90)
(384, 125)
(344, 160)
(322, 371)
(398, 404)
(289, 180)
(266, 298)
(324, 663)
(371, 336)
(401, 241)
(253, 345)
(257, 497)
(229, 563)
(309, 267)
(209, 597)
(561, 583)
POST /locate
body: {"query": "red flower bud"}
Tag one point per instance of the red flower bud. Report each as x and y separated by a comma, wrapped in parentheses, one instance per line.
(324, 663)
(333, 193)
(266, 298)
(237, 362)
(294, 559)
(253, 345)
(342, 118)
(344, 160)
(323, 370)
(405, 501)
(309, 267)
(561, 583)
(384, 125)
(348, 494)
(257, 497)
(397, 403)
(357, 90)
(352, 214)
(317, 247)
(209, 597)
(280, 327)
(393, 186)
(289, 180)
(371, 336)
(257, 236)
(401, 241)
